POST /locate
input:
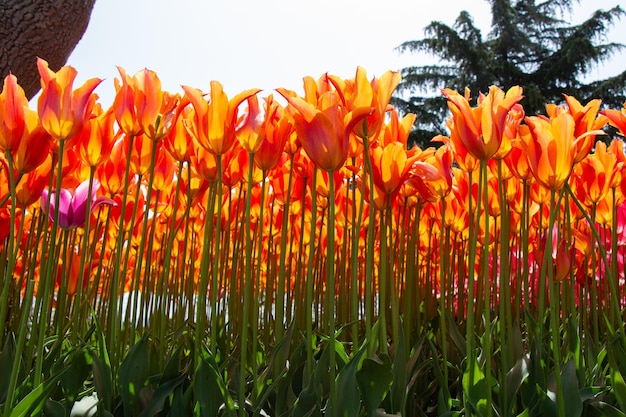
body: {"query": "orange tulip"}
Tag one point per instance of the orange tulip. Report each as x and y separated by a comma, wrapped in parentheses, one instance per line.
(63, 111)
(140, 153)
(324, 130)
(13, 106)
(560, 257)
(249, 134)
(585, 119)
(617, 118)
(482, 129)
(277, 128)
(432, 176)
(156, 109)
(397, 129)
(164, 169)
(95, 141)
(178, 141)
(215, 120)
(126, 103)
(551, 147)
(34, 146)
(204, 163)
(28, 190)
(111, 172)
(517, 161)
(391, 165)
(375, 94)
(597, 174)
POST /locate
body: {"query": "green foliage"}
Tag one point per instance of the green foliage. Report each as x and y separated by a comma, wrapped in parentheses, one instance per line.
(529, 44)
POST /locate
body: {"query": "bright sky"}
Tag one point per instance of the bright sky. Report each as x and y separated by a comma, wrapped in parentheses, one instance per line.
(271, 43)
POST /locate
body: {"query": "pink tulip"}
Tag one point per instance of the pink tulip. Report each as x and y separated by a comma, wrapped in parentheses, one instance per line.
(73, 204)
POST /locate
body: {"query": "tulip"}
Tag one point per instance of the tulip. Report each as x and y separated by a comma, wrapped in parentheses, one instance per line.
(29, 189)
(178, 141)
(391, 165)
(156, 109)
(63, 111)
(34, 147)
(482, 129)
(13, 106)
(375, 94)
(95, 141)
(616, 118)
(324, 130)
(215, 121)
(73, 204)
(277, 128)
(551, 147)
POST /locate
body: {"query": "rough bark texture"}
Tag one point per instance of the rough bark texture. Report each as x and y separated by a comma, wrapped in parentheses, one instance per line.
(49, 29)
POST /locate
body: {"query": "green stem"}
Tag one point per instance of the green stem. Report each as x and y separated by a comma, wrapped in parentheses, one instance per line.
(51, 264)
(369, 251)
(330, 288)
(487, 289)
(554, 307)
(280, 293)
(443, 269)
(310, 342)
(473, 242)
(83, 261)
(8, 277)
(113, 322)
(247, 296)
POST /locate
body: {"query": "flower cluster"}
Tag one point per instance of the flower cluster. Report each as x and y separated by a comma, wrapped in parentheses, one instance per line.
(156, 189)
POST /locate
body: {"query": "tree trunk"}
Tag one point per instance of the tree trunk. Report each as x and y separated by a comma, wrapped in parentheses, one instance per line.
(49, 29)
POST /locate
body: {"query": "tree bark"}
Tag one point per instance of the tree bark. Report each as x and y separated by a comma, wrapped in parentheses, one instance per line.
(49, 29)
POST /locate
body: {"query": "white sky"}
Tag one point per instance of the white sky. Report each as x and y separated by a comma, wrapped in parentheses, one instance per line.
(271, 43)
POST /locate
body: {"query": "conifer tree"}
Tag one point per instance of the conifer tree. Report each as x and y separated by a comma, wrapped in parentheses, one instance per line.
(529, 44)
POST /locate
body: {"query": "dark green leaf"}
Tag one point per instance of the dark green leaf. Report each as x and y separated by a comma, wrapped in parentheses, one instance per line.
(374, 379)
(515, 378)
(571, 393)
(53, 409)
(475, 388)
(7, 356)
(159, 397)
(347, 388)
(619, 386)
(210, 388)
(308, 402)
(79, 364)
(607, 410)
(133, 374)
(34, 402)
(398, 387)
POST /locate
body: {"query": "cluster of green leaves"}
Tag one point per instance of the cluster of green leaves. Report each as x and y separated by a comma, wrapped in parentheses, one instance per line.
(409, 380)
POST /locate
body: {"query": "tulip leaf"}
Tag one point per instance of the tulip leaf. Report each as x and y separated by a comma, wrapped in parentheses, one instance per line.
(475, 387)
(159, 397)
(571, 393)
(347, 388)
(79, 367)
(34, 401)
(7, 356)
(516, 377)
(374, 380)
(210, 389)
(607, 410)
(308, 402)
(619, 386)
(398, 387)
(133, 374)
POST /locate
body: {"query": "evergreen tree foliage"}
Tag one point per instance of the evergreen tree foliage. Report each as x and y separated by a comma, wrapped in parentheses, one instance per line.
(529, 44)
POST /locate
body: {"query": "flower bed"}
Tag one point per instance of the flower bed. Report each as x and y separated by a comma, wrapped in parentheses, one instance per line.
(191, 254)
